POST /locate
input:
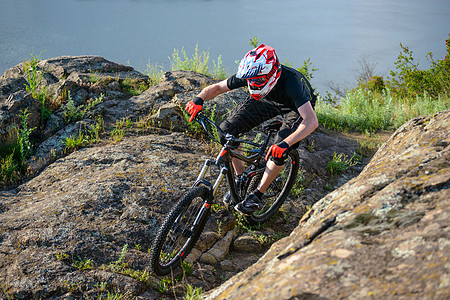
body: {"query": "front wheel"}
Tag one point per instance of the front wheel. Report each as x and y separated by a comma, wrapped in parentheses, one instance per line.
(179, 231)
(278, 190)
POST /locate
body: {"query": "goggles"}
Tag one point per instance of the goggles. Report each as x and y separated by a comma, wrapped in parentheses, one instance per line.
(258, 82)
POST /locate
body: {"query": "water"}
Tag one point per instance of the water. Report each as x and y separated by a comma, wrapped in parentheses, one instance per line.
(334, 34)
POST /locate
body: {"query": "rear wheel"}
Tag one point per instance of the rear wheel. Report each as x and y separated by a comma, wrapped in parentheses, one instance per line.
(180, 231)
(278, 190)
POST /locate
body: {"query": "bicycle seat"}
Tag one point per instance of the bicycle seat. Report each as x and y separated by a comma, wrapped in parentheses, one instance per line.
(273, 125)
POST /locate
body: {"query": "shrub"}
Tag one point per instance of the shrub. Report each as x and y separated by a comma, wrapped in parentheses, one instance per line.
(198, 63)
(408, 80)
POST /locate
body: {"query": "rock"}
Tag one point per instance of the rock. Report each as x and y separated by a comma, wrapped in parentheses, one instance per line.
(383, 234)
(228, 265)
(205, 273)
(206, 240)
(219, 250)
(88, 205)
(14, 100)
(247, 242)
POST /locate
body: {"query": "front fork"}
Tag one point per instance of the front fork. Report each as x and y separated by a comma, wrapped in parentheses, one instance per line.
(201, 176)
(212, 189)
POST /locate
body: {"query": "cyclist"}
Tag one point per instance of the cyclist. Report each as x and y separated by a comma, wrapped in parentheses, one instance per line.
(275, 90)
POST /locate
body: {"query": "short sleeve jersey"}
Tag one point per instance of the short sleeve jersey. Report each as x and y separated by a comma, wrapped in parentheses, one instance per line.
(292, 89)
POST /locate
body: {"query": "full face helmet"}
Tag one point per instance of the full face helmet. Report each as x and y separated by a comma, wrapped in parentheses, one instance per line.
(261, 68)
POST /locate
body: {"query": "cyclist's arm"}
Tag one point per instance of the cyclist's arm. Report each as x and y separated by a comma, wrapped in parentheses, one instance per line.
(308, 125)
(214, 90)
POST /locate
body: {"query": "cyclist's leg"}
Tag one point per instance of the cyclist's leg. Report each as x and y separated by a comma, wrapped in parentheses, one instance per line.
(291, 120)
(247, 116)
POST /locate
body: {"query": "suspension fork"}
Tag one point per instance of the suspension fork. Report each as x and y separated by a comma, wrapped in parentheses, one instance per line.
(212, 190)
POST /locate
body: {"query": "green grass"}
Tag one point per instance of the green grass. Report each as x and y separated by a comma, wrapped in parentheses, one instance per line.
(199, 62)
(13, 155)
(92, 135)
(364, 111)
(385, 104)
(133, 86)
(339, 163)
(193, 293)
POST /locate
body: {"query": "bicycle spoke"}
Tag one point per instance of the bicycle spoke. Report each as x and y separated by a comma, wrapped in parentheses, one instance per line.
(180, 232)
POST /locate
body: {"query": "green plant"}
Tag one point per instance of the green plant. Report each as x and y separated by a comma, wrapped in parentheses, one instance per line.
(110, 296)
(23, 136)
(61, 256)
(242, 224)
(187, 267)
(198, 63)
(75, 141)
(193, 293)
(83, 264)
(380, 104)
(219, 70)
(365, 111)
(9, 169)
(96, 129)
(310, 146)
(140, 275)
(340, 162)
(195, 129)
(253, 42)
(133, 86)
(119, 264)
(119, 129)
(74, 113)
(94, 77)
(164, 285)
(102, 285)
(408, 80)
(219, 227)
(117, 134)
(34, 81)
(308, 69)
(299, 185)
(124, 123)
(73, 287)
(155, 73)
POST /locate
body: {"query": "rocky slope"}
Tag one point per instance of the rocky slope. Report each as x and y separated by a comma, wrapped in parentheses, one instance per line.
(383, 235)
(81, 226)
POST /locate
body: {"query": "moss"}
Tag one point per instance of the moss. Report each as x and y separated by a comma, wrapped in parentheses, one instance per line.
(362, 219)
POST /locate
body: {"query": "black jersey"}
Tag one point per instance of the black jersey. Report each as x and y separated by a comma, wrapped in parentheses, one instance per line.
(292, 89)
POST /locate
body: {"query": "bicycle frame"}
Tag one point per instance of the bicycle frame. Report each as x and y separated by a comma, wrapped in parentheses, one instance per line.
(224, 158)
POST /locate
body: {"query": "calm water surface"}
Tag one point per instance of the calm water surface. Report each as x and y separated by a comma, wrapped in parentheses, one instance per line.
(335, 34)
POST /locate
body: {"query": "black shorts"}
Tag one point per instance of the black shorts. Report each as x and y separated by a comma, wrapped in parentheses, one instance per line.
(252, 113)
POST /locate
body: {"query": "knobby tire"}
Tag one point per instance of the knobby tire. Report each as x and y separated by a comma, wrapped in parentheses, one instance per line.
(176, 237)
(280, 188)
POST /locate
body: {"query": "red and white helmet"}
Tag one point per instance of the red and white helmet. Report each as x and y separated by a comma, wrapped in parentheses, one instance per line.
(261, 68)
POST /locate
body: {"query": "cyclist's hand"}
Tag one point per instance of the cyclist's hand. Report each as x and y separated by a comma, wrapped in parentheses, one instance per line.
(279, 150)
(194, 107)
